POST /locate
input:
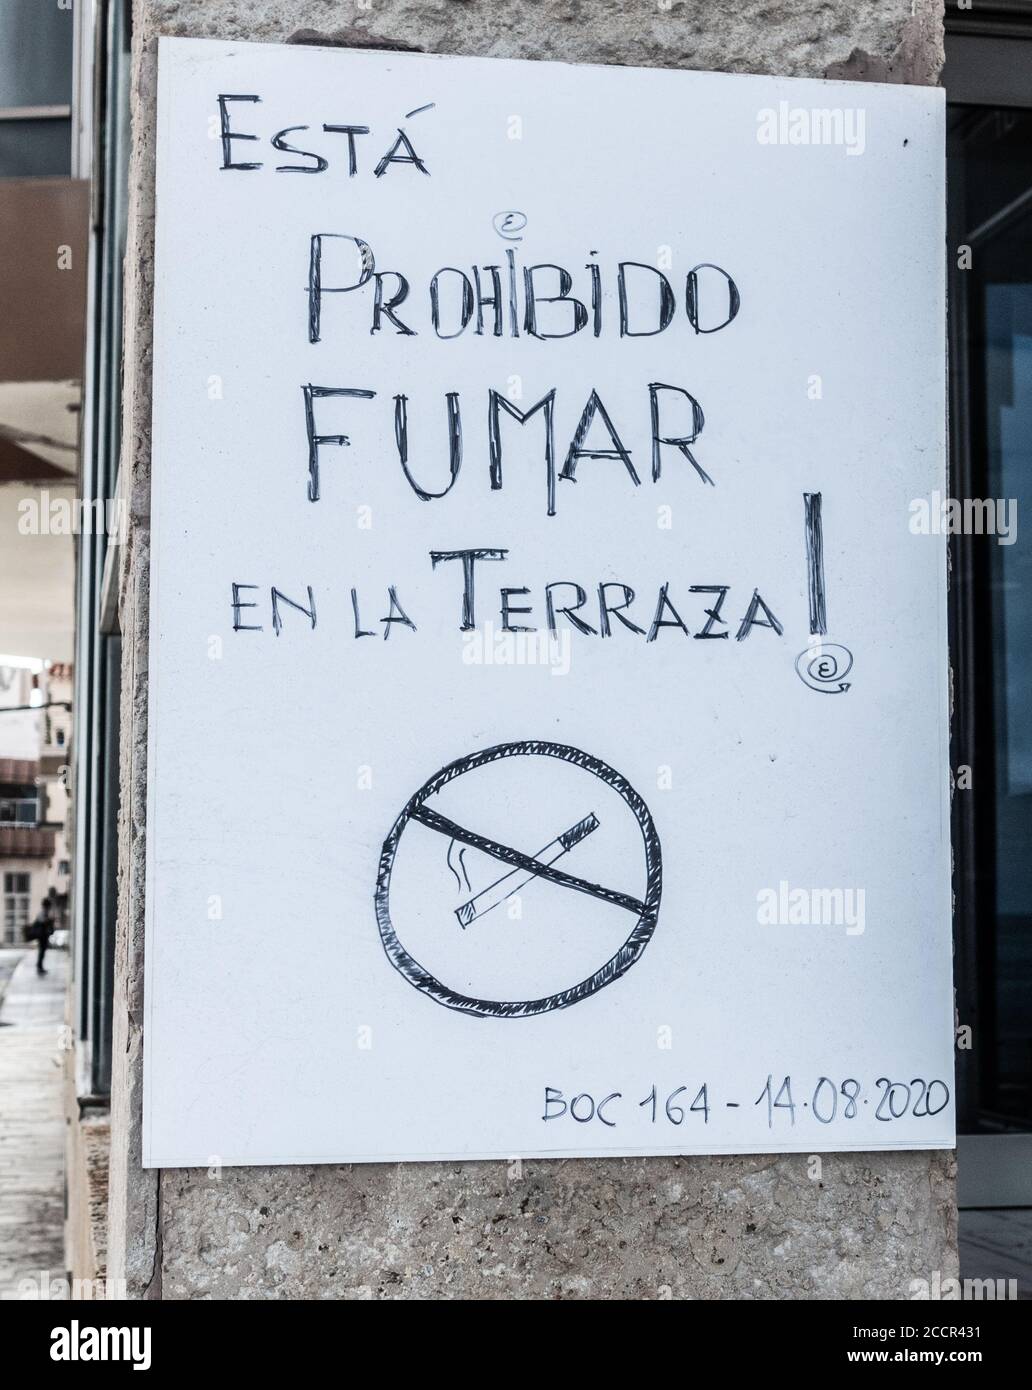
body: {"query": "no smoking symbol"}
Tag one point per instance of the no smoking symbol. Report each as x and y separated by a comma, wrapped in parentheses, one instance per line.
(612, 817)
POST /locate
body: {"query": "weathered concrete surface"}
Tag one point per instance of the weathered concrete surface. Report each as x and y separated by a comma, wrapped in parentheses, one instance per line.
(621, 1228)
(704, 1228)
(93, 1142)
(133, 1236)
(88, 1144)
(900, 41)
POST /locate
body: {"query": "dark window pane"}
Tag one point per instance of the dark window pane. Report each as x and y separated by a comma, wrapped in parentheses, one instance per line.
(35, 53)
(991, 299)
(35, 148)
(1007, 356)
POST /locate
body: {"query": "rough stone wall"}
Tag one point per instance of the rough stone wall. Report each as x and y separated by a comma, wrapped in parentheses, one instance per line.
(88, 1142)
(757, 1227)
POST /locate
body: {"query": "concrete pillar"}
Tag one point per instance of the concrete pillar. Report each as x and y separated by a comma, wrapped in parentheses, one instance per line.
(753, 1227)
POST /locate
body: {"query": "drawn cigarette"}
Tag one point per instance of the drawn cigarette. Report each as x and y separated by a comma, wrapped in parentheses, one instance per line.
(515, 879)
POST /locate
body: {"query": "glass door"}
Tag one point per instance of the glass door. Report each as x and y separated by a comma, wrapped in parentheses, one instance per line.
(990, 251)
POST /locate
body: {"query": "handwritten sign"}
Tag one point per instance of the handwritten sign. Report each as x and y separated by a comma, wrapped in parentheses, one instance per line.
(548, 731)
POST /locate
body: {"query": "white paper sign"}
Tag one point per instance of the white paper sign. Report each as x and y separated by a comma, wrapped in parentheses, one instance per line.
(548, 728)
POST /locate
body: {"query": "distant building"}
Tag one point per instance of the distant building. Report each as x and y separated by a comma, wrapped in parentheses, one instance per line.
(35, 734)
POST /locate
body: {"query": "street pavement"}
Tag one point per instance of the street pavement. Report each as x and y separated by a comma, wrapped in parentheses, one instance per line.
(31, 1124)
(9, 958)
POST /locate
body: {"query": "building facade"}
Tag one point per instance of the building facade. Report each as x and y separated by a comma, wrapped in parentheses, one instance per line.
(35, 729)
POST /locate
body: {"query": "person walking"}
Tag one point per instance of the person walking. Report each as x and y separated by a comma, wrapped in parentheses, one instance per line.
(42, 931)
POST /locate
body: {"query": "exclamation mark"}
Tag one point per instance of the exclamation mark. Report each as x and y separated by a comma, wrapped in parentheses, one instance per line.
(824, 665)
(815, 563)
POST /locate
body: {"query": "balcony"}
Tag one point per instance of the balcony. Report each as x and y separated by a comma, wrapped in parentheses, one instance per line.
(26, 842)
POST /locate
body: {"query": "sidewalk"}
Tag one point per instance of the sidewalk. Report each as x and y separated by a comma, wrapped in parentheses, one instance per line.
(9, 958)
(32, 1125)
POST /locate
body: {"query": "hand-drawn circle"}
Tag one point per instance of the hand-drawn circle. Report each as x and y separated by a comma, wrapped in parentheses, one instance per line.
(617, 965)
(824, 667)
(509, 224)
